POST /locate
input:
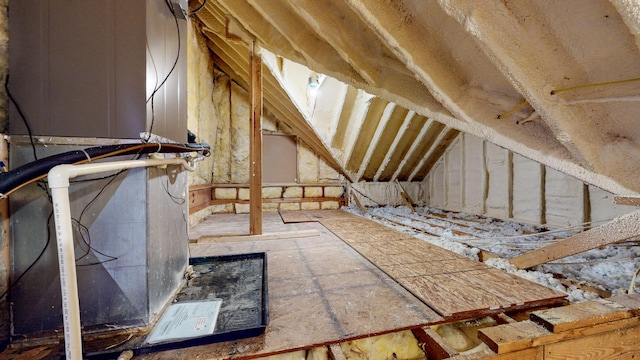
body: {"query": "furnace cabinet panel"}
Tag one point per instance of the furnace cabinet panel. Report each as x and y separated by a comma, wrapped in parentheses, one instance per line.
(82, 72)
(131, 247)
(83, 68)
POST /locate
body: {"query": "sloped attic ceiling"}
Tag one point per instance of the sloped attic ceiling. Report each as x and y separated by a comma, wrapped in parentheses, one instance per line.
(562, 75)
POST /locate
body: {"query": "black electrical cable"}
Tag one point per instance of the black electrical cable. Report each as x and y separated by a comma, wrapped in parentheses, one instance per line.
(178, 200)
(37, 170)
(198, 9)
(46, 245)
(24, 118)
(175, 63)
(370, 199)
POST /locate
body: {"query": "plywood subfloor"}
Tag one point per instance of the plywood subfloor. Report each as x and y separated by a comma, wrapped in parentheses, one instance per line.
(451, 284)
(321, 291)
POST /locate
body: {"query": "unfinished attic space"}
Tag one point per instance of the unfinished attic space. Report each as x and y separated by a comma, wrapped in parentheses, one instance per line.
(319, 179)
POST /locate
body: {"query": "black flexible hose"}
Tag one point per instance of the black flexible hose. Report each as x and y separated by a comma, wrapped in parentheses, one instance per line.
(14, 179)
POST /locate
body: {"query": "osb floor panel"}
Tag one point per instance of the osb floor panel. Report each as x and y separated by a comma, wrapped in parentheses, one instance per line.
(321, 291)
(451, 284)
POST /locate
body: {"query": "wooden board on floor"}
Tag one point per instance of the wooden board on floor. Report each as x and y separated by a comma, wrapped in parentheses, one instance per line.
(321, 292)
(289, 217)
(451, 284)
(584, 314)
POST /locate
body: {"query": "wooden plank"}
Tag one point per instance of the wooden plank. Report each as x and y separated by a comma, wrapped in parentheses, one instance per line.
(255, 144)
(503, 318)
(585, 314)
(403, 224)
(528, 354)
(619, 229)
(289, 217)
(295, 200)
(438, 298)
(454, 231)
(433, 345)
(512, 337)
(335, 352)
(405, 197)
(527, 334)
(618, 344)
(264, 236)
(626, 200)
(487, 354)
(444, 218)
(199, 198)
(452, 284)
(516, 290)
(631, 301)
(359, 204)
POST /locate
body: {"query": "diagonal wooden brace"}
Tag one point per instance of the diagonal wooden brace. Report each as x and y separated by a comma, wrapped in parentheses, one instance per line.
(618, 229)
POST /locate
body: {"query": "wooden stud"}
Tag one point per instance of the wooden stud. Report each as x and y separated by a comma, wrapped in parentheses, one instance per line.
(619, 229)
(335, 352)
(433, 345)
(627, 200)
(512, 337)
(359, 204)
(255, 159)
(407, 200)
(632, 301)
(618, 343)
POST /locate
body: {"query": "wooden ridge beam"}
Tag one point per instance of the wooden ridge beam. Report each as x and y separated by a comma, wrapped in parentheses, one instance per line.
(618, 229)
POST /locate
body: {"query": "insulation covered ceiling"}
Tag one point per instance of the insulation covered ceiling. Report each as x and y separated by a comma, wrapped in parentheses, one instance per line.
(555, 81)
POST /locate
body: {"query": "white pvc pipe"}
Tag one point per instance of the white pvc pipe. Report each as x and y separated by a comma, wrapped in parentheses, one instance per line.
(59, 183)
